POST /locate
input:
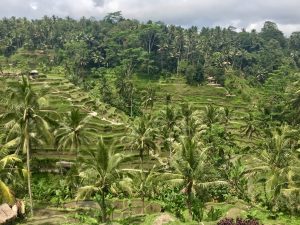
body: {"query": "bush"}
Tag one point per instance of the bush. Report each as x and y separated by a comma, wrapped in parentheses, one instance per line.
(173, 201)
(50, 188)
(289, 201)
(214, 214)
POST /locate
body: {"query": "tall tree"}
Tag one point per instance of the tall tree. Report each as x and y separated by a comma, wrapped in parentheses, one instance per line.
(26, 122)
(210, 115)
(276, 164)
(270, 31)
(193, 167)
(99, 172)
(75, 131)
(141, 137)
(190, 120)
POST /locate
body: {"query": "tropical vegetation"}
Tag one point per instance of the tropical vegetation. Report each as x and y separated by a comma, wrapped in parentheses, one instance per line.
(129, 121)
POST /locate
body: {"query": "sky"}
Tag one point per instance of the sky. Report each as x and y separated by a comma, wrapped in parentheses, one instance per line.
(248, 14)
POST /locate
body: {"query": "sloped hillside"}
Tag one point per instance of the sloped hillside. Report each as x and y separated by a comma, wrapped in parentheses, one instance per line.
(61, 96)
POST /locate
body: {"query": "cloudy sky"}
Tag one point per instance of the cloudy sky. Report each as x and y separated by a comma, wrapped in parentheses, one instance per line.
(249, 14)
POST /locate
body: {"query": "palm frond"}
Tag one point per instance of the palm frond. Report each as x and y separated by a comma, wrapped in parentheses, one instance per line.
(86, 192)
(8, 160)
(6, 194)
(211, 184)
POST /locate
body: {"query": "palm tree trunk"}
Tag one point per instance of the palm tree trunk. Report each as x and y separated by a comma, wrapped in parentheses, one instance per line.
(103, 207)
(169, 148)
(177, 68)
(189, 196)
(143, 204)
(142, 160)
(131, 106)
(27, 146)
(29, 184)
(142, 169)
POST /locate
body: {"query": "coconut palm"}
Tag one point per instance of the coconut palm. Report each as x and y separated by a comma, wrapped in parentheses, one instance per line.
(141, 137)
(192, 166)
(99, 173)
(75, 131)
(148, 98)
(210, 115)
(26, 123)
(190, 122)
(251, 126)
(167, 121)
(276, 165)
(144, 183)
(294, 104)
(170, 117)
(295, 100)
(227, 114)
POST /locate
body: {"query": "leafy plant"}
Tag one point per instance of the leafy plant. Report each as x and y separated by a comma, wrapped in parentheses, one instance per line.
(173, 201)
(197, 210)
(99, 172)
(214, 214)
(85, 218)
(7, 172)
(48, 187)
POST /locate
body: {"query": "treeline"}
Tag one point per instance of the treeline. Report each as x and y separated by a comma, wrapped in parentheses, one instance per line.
(152, 48)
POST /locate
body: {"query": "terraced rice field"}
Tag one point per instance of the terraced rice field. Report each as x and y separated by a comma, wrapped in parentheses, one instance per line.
(201, 96)
(62, 95)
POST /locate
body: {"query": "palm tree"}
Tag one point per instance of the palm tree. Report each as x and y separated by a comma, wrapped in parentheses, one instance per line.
(227, 114)
(141, 183)
(99, 173)
(167, 121)
(149, 98)
(190, 122)
(144, 182)
(75, 131)
(141, 137)
(210, 115)
(26, 123)
(251, 126)
(193, 168)
(294, 104)
(276, 165)
(295, 101)
(170, 117)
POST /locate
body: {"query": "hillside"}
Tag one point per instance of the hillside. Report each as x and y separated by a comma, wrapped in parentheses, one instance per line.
(117, 121)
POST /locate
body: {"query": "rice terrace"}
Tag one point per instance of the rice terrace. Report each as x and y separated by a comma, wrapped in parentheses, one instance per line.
(116, 120)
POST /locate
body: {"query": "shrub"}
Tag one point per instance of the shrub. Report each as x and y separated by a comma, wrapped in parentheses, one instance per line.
(174, 201)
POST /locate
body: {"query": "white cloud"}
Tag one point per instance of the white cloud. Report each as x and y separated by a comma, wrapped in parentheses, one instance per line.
(288, 28)
(241, 14)
(34, 5)
(255, 26)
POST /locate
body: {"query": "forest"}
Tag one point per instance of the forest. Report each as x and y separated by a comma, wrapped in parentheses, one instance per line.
(117, 121)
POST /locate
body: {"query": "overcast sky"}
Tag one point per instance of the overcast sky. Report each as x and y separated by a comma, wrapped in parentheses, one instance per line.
(249, 14)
